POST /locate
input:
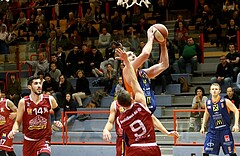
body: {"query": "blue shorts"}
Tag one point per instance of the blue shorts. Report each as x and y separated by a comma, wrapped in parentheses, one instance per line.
(216, 138)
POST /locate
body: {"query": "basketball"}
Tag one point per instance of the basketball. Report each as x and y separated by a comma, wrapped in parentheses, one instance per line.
(161, 33)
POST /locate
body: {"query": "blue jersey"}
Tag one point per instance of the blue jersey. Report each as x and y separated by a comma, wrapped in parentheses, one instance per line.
(219, 116)
(145, 85)
(219, 133)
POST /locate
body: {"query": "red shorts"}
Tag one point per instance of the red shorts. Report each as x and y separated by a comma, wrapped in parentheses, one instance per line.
(34, 148)
(6, 144)
(144, 151)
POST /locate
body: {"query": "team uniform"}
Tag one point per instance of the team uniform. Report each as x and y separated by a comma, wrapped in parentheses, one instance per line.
(36, 126)
(145, 85)
(138, 125)
(219, 132)
(119, 140)
(6, 124)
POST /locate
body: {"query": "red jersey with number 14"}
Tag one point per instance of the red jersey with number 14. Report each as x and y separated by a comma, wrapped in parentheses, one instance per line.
(137, 124)
(36, 123)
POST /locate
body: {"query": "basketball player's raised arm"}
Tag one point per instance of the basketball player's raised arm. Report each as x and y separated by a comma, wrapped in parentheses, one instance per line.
(109, 125)
(132, 79)
(234, 109)
(163, 62)
(205, 119)
(147, 49)
(18, 121)
(57, 111)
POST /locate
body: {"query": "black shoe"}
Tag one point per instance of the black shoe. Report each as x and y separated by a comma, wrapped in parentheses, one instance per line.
(212, 42)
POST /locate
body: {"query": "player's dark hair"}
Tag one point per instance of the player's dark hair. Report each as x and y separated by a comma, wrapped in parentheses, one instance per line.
(30, 79)
(124, 98)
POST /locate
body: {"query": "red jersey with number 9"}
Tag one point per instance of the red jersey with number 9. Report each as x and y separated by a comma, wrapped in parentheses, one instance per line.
(36, 118)
(137, 124)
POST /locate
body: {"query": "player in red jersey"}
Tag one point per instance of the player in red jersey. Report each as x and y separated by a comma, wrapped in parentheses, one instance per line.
(8, 112)
(136, 120)
(34, 114)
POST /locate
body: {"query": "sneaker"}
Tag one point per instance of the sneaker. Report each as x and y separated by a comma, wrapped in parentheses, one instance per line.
(55, 128)
(84, 117)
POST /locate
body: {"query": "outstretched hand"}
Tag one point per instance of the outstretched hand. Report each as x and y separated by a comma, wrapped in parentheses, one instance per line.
(12, 133)
(150, 33)
(173, 133)
(121, 55)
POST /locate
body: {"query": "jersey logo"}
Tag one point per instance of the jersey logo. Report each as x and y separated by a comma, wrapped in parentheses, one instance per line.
(29, 111)
(38, 123)
(226, 138)
(2, 120)
(2, 109)
(222, 105)
(215, 108)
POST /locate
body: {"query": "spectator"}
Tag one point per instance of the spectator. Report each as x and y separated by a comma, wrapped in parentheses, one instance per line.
(81, 28)
(40, 65)
(54, 72)
(50, 29)
(91, 33)
(13, 91)
(121, 66)
(28, 29)
(110, 78)
(224, 74)
(212, 26)
(82, 88)
(92, 62)
(89, 16)
(110, 57)
(234, 98)
(61, 56)
(116, 36)
(233, 58)
(64, 87)
(104, 39)
(50, 86)
(128, 19)
(141, 28)
(40, 74)
(131, 39)
(21, 20)
(52, 42)
(231, 34)
(116, 21)
(181, 35)
(198, 102)
(190, 53)
(98, 15)
(74, 61)
(117, 88)
(179, 19)
(76, 39)
(137, 16)
(62, 39)
(71, 24)
(57, 60)
(40, 16)
(38, 39)
(106, 24)
(69, 105)
(4, 37)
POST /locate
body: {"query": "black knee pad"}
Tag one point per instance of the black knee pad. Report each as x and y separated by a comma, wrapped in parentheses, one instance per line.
(2, 153)
(12, 153)
(44, 154)
(204, 154)
(233, 154)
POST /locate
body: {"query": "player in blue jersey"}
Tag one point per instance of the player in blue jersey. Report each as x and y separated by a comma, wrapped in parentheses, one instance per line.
(144, 75)
(219, 132)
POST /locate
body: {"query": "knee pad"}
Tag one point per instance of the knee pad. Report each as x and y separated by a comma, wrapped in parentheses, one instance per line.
(2, 153)
(204, 154)
(44, 154)
(233, 154)
(12, 153)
